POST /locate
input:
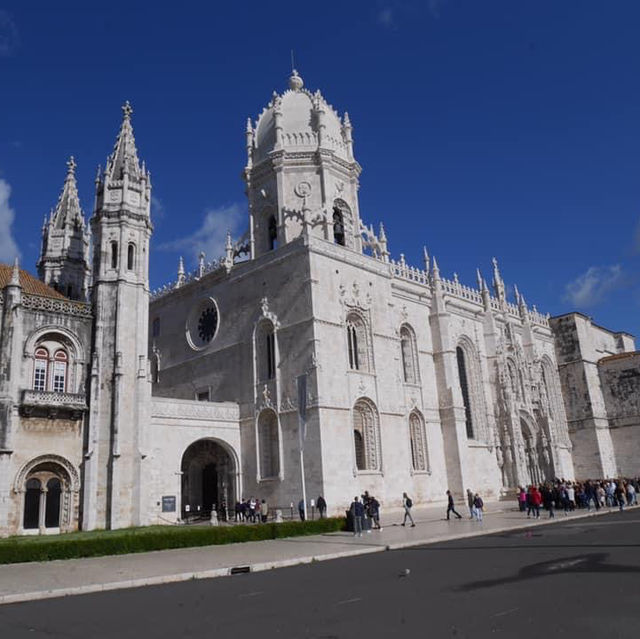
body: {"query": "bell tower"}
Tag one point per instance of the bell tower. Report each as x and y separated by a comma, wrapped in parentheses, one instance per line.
(120, 388)
(64, 257)
(301, 176)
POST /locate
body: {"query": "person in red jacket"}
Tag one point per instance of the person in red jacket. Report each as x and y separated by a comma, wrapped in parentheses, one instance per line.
(535, 500)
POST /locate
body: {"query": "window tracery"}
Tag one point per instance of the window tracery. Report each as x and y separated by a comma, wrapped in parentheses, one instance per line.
(366, 436)
(419, 452)
(268, 445)
(408, 352)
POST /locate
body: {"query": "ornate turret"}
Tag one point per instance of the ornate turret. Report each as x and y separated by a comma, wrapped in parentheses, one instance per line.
(300, 174)
(122, 230)
(64, 257)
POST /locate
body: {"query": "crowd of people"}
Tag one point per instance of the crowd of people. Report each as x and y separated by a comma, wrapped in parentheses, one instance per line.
(254, 510)
(569, 495)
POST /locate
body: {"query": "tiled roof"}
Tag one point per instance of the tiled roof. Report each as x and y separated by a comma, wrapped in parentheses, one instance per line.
(29, 284)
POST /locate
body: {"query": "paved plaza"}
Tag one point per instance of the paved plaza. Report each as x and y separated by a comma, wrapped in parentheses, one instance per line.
(31, 581)
(578, 577)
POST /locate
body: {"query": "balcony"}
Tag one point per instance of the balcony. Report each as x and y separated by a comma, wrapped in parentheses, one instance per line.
(48, 404)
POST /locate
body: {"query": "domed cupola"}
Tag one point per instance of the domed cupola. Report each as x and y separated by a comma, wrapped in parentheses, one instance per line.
(300, 120)
(301, 176)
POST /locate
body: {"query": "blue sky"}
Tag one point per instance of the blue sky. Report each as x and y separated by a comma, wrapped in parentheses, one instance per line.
(483, 128)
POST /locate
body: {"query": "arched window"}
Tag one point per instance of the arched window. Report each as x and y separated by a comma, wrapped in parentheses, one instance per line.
(31, 517)
(272, 233)
(40, 369)
(266, 347)
(408, 352)
(338, 226)
(419, 454)
(114, 255)
(366, 437)
(357, 343)
(268, 445)
(155, 327)
(60, 363)
(131, 257)
(52, 506)
(464, 388)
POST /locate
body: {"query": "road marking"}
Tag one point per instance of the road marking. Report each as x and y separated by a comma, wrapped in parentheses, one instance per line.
(346, 601)
(250, 594)
(561, 565)
(506, 612)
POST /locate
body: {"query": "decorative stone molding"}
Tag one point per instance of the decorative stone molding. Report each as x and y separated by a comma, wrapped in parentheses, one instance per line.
(73, 477)
(51, 305)
(192, 409)
(53, 403)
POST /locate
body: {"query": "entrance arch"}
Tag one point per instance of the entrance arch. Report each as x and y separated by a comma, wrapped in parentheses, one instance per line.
(536, 450)
(208, 479)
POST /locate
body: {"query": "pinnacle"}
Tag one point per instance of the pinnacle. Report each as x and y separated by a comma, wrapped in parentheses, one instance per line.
(68, 210)
(124, 157)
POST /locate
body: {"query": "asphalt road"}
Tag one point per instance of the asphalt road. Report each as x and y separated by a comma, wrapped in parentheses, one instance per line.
(577, 578)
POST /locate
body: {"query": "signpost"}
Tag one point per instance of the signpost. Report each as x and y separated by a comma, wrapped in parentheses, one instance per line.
(302, 428)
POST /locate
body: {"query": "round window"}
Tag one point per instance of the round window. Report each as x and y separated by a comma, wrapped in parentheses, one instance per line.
(202, 324)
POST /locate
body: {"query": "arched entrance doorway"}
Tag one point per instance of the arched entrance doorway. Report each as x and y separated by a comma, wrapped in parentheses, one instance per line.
(208, 480)
(536, 450)
(49, 490)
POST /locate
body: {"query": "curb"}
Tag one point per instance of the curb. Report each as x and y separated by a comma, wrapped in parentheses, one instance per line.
(282, 563)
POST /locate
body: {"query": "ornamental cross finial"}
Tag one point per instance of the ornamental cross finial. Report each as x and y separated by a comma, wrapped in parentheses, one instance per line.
(71, 166)
(127, 110)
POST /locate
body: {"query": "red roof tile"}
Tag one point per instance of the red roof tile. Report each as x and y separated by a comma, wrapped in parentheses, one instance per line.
(29, 284)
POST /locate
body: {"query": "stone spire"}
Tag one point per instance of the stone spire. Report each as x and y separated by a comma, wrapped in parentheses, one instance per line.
(64, 256)
(181, 275)
(15, 274)
(124, 158)
(68, 212)
(425, 255)
(498, 284)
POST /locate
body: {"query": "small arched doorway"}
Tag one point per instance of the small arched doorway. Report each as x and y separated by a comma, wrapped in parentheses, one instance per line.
(208, 480)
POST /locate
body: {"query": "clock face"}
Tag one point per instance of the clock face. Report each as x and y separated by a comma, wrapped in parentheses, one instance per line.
(207, 324)
(202, 324)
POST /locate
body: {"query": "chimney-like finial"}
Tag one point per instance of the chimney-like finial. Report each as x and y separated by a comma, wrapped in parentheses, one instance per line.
(15, 274)
(127, 110)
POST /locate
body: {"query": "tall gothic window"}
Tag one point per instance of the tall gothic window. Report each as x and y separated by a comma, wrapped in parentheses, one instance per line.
(131, 257)
(31, 516)
(408, 352)
(338, 226)
(366, 437)
(272, 230)
(266, 347)
(464, 387)
(419, 454)
(268, 445)
(40, 369)
(357, 343)
(60, 361)
(114, 255)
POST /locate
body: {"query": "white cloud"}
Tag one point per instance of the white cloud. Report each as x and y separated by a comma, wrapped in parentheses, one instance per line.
(157, 208)
(8, 247)
(594, 285)
(211, 235)
(9, 37)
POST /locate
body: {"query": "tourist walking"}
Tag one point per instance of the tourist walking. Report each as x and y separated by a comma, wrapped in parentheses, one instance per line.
(322, 506)
(522, 499)
(407, 504)
(264, 511)
(357, 514)
(478, 506)
(470, 502)
(374, 512)
(451, 507)
(301, 509)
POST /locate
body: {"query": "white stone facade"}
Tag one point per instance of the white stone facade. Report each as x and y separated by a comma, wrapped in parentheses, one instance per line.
(177, 401)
